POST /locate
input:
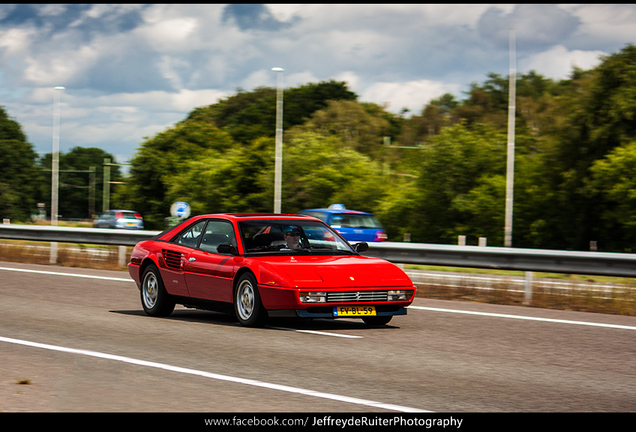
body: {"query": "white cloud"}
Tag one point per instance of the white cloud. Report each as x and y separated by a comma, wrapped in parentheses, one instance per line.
(133, 70)
(115, 122)
(412, 95)
(259, 78)
(300, 78)
(605, 22)
(285, 12)
(558, 63)
(172, 35)
(352, 80)
(59, 67)
(169, 69)
(16, 40)
(51, 10)
(187, 100)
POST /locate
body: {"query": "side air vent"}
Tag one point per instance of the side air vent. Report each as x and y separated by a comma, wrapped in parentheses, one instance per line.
(173, 260)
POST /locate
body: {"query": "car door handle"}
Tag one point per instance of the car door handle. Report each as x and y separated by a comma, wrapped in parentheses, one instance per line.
(192, 259)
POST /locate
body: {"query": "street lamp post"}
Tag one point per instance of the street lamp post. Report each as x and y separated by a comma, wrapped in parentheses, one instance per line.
(55, 157)
(510, 170)
(278, 158)
(55, 167)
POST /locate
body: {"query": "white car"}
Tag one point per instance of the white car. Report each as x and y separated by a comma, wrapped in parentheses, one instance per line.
(119, 219)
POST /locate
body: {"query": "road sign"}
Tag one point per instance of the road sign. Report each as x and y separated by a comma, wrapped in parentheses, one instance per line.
(180, 209)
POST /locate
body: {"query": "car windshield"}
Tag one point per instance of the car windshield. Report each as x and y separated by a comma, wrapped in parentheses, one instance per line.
(349, 220)
(289, 236)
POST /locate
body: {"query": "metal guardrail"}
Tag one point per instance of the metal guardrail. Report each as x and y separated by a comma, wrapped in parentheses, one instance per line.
(500, 258)
(104, 236)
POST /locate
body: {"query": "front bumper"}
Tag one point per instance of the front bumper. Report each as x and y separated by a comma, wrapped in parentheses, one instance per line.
(328, 312)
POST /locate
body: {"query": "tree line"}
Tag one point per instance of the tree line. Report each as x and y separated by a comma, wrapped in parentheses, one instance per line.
(25, 177)
(436, 175)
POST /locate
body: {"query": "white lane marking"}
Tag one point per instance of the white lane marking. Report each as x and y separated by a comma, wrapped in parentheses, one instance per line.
(521, 317)
(319, 333)
(339, 398)
(68, 274)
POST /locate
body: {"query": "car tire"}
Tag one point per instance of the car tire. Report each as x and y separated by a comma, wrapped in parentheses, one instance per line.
(247, 302)
(154, 298)
(377, 320)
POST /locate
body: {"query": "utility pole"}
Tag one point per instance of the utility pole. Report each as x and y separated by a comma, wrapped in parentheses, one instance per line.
(278, 157)
(510, 174)
(55, 156)
(107, 182)
(55, 167)
(106, 191)
(91, 191)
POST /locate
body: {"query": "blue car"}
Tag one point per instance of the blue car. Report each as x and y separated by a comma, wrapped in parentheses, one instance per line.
(354, 226)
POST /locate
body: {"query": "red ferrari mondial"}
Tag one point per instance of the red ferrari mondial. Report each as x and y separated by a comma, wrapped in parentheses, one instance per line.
(266, 265)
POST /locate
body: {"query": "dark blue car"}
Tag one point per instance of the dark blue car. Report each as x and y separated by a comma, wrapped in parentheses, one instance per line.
(354, 226)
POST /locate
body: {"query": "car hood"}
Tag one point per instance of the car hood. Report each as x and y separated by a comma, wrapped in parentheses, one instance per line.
(331, 272)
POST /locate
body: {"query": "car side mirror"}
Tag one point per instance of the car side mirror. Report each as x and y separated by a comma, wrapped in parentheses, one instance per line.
(226, 248)
(361, 247)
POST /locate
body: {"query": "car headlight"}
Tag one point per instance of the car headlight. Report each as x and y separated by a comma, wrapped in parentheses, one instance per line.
(399, 295)
(313, 296)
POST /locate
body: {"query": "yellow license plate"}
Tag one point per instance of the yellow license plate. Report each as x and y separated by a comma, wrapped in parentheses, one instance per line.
(339, 311)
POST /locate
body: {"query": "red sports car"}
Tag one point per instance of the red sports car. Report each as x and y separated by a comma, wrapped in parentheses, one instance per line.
(266, 265)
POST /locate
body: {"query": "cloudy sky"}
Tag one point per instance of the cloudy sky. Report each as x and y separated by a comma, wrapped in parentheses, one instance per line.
(131, 71)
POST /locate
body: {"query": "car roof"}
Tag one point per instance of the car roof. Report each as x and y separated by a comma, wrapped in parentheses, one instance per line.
(234, 217)
(255, 215)
(245, 216)
(332, 211)
(338, 208)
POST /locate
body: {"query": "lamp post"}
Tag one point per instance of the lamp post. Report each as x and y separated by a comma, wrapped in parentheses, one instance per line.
(278, 158)
(55, 167)
(55, 156)
(510, 170)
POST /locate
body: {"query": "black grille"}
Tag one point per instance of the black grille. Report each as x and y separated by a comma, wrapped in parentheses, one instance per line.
(173, 260)
(357, 296)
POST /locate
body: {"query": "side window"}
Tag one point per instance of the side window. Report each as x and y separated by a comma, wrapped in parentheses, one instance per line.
(191, 236)
(216, 233)
(350, 221)
(320, 215)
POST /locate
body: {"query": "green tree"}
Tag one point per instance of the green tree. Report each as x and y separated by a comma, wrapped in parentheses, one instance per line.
(247, 116)
(459, 177)
(225, 182)
(613, 181)
(319, 170)
(361, 127)
(20, 177)
(435, 115)
(159, 159)
(75, 192)
(595, 115)
(399, 208)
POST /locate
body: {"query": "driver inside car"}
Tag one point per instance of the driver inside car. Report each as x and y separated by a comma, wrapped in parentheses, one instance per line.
(292, 238)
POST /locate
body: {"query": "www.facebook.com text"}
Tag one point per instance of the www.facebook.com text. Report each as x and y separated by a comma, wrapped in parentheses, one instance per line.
(335, 421)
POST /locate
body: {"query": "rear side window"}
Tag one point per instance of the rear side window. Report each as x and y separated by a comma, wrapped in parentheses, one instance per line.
(345, 220)
(192, 235)
(320, 215)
